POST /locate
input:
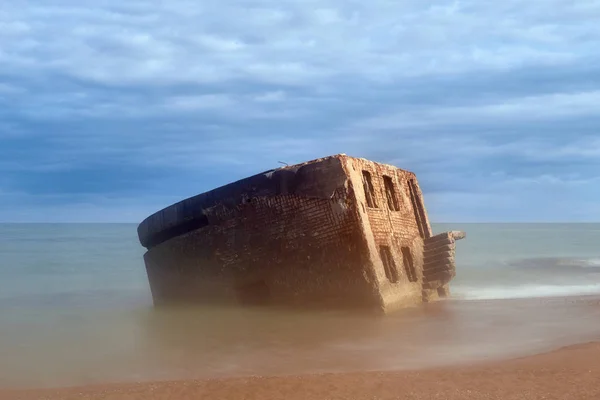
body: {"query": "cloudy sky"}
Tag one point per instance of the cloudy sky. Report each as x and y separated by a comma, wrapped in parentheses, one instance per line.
(110, 110)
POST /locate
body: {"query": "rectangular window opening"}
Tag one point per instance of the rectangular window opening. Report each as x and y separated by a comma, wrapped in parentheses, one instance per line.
(369, 189)
(391, 272)
(409, 266)
(390, 193)
(417, 209)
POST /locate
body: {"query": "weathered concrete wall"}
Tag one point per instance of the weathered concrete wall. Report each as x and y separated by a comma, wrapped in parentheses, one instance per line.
(304, 235)
(290, 238)
(439, 264)
(311, 180)
(395, 228)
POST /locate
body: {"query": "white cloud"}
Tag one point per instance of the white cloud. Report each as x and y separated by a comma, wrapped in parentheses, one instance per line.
(288, 42)
(201, 102)
(552, 180)
(7, 88)
(524, 108)
(544, 198)
(186, 86)
(269, 97)
(282, 44)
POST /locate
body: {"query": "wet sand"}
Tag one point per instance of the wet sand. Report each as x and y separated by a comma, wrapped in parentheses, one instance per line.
(448, 350)
(568, 373)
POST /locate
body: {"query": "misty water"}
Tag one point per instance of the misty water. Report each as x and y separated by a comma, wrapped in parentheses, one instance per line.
(75, 308)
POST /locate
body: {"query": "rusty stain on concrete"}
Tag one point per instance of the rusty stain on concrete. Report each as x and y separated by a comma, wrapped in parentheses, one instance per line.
(333, 232)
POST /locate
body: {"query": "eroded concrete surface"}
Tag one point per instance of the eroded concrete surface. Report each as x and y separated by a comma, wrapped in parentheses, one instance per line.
(333, 232)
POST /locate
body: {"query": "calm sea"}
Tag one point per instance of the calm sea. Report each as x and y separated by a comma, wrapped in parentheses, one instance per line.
(75, 309)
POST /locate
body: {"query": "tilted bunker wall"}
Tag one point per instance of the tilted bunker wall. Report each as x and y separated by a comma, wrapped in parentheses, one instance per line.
(291, 236)
(337, 231)
(395, 223)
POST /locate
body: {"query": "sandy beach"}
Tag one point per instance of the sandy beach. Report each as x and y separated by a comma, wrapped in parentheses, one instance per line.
(569, 373)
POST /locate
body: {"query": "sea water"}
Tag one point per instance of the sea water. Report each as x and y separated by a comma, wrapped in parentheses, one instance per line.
(75, 309)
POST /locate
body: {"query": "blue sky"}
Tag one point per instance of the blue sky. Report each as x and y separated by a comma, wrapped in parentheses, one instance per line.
(110, 110)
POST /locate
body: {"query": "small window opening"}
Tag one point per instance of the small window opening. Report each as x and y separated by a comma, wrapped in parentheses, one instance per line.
(391, 272)
(409, 266)
(369, 189)
(417, 207)
(390, 193)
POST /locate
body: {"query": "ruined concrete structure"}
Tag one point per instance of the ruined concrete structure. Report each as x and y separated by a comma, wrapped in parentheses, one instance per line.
(334, 232)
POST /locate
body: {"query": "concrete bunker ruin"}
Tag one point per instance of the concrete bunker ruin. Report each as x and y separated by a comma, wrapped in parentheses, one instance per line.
(334, 232)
